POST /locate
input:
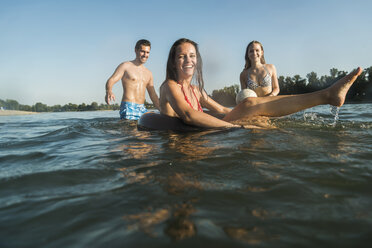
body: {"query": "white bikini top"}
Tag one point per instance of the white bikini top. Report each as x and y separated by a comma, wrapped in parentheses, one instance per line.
(265, 82)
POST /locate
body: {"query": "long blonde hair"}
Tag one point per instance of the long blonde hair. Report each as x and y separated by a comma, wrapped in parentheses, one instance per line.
(247, 61)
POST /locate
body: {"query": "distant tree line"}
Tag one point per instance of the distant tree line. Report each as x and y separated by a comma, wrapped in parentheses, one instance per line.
(40, 107)
(70, 107)
(360, 92)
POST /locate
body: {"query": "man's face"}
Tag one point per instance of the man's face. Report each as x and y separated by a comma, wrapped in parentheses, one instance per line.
(142, 54)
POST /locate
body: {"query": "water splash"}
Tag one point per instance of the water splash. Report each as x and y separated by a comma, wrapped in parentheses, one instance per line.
(311, 116)
(334, 111)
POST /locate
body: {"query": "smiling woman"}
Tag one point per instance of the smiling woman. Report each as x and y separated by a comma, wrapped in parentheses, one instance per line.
(257, 75)
(178, 97)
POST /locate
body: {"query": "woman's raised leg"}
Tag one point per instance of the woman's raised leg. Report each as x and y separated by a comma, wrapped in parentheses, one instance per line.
(275, 106)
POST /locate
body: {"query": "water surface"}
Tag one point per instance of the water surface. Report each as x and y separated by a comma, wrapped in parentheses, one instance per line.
(87, 179)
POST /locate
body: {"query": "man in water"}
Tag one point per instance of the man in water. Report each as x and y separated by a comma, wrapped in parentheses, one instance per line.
(135, 78)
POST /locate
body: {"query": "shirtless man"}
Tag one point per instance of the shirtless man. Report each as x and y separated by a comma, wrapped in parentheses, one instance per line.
(135, 78)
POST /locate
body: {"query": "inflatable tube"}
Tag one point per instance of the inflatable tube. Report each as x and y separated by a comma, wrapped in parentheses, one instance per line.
(155, 121)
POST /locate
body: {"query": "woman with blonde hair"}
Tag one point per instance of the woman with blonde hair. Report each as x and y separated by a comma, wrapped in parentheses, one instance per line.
(257, 75)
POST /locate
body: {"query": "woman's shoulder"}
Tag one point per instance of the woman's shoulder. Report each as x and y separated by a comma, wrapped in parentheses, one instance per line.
(168, 82)
(168, 85)
(270, 66)
(244, 73)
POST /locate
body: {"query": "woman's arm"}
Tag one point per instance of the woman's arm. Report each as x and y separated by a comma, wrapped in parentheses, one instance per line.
(207, 102)
(152, 93)
(243, 80)
(190, 116)
(274, 82)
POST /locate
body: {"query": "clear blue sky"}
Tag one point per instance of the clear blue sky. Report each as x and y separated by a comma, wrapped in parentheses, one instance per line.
(57, 52)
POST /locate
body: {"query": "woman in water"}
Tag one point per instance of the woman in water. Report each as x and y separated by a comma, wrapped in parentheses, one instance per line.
(257, 75)
(179, 98)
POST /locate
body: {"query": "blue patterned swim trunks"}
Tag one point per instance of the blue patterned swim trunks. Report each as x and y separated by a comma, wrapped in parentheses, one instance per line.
(131, 110)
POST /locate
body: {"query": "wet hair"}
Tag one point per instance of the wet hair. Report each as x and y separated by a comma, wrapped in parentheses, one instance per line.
(247, 61)
(142, 43)
(171, 73)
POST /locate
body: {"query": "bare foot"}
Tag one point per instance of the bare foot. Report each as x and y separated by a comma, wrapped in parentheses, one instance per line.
(338, 90)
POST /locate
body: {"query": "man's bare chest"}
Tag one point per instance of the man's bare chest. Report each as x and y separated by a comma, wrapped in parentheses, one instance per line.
(136, 77)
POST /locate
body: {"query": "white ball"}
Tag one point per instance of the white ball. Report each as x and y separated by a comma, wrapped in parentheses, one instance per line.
(244, 94)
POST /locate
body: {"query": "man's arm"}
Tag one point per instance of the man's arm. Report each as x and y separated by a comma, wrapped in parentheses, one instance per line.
(152, 93)
(118, 74)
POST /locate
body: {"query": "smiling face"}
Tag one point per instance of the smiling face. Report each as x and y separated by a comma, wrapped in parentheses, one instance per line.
(185, 60)
(142, 53)
(255, 52)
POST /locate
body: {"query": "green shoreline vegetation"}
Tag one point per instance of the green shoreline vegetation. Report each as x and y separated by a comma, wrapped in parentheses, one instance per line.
(70, 107)
(360, 92)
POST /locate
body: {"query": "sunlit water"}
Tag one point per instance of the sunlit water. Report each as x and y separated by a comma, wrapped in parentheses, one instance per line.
(89, 180)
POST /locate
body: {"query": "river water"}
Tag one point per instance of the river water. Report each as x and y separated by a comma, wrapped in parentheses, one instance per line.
(87, 179)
